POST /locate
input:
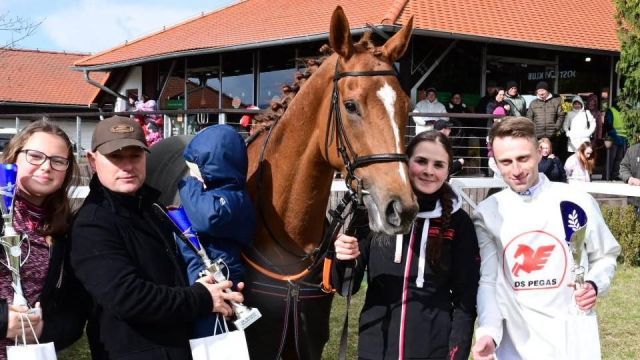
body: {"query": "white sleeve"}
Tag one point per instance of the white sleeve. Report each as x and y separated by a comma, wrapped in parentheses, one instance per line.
(419, 120)
(489, 316)
(592, 124)
(602, 249)
(566, 126)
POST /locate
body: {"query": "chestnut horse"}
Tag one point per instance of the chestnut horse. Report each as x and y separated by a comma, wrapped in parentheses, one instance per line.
(350, 116)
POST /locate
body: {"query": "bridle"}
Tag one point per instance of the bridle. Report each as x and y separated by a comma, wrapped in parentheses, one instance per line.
(350, 158)
(352, 197)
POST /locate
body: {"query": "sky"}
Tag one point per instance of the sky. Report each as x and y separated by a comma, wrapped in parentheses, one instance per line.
(90, 26)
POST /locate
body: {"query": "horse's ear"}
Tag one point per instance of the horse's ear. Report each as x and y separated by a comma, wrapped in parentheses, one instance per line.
(340, 34)
(395, 47)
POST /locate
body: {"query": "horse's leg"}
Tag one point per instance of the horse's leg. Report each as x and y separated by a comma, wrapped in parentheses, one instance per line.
(265, 337)
(307, 311)
(313, 326)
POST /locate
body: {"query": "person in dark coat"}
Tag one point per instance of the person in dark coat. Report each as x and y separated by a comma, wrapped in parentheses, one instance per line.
(421, 294)
(217, 202)
(126, 258)
(550, 164)
(42, 214)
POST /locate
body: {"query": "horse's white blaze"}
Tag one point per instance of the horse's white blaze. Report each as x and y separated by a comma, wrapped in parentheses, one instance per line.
(388, 97)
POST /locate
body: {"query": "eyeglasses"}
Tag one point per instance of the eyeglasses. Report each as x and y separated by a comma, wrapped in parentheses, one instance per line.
(35, 157)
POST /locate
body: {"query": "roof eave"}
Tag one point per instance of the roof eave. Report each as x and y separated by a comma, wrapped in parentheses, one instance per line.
(325, 36)
(208, 51)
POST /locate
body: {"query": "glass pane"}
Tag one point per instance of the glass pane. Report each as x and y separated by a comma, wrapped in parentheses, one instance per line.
(277, 67)
(237, 78)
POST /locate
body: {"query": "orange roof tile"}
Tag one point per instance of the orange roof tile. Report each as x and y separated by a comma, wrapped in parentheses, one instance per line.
(44, 77)
(590, 25)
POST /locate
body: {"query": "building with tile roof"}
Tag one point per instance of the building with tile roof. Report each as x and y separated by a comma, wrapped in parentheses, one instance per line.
(45, 81)
(247, 50)
(40, 83)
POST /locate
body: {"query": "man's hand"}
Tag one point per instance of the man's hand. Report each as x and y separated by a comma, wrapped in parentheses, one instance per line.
(586, 296)
(484, 348)
(220, 295)
(347, 247)
(18, 315)
(633, 181)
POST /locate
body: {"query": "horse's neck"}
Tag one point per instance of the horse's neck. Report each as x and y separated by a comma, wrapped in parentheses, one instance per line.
(299, 180)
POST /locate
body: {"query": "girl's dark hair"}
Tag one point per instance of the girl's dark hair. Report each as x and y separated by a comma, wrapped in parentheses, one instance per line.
(445, 194)
(57, 205)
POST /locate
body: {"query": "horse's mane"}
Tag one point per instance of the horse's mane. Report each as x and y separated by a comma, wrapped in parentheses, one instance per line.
(277, 108)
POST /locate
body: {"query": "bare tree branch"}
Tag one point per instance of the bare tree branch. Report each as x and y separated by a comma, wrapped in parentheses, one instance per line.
(19, 27)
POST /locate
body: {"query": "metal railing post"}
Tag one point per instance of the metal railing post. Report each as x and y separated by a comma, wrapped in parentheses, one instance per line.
(17, 124)
(78, 138)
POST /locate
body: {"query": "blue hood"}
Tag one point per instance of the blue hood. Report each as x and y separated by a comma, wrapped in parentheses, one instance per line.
(221, 155)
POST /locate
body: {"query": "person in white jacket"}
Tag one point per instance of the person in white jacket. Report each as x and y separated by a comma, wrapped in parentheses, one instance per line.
(528, 304)
(579, 124)
(428, 105)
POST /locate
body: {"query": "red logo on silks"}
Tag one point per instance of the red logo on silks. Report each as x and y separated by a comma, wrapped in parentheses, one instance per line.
(535, 260)
(531, 260)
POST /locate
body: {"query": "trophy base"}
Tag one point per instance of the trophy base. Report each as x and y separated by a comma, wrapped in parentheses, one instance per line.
(248, 317)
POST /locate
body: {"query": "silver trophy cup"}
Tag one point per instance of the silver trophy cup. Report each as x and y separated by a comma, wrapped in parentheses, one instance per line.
(245, 315)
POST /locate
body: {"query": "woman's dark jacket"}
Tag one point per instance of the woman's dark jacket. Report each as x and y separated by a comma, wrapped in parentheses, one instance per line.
(65, 304)
(552, 168)
(439, 316)
(125, 256)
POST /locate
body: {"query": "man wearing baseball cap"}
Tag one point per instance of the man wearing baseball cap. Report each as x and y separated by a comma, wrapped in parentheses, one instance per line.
(125, 257)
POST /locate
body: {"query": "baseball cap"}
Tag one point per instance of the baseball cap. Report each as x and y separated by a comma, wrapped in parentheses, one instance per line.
(431, 89)
(441, 124)
(115, 133)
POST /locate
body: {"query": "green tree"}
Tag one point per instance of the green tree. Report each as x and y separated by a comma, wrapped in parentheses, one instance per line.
(628, 18)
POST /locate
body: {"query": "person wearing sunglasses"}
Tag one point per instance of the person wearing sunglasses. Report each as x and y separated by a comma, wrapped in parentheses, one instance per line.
(42, 215)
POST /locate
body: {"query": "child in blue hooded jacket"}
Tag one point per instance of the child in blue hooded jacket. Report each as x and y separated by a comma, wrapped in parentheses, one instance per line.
(218, 205)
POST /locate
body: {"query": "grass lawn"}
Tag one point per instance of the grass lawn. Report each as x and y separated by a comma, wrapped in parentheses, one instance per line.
(618, 312)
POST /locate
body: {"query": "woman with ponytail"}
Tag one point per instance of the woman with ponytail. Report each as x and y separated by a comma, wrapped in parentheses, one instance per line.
(421, 294)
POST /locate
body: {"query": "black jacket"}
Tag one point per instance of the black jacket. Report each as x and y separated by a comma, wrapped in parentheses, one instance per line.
(125, 256)
(439, 316)
(65, 304)
(553, 168)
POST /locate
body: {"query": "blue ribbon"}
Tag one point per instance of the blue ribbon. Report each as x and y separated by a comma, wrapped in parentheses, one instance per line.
(573, 218)
(8, 175)
(180, 218)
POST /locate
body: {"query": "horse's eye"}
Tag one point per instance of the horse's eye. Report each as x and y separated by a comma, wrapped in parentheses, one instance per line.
(351, 107)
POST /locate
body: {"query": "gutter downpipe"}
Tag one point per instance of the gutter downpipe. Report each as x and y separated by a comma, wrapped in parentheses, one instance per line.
(102, 87)
(414, 89)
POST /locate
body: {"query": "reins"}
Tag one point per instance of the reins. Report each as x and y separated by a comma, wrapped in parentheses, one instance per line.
(351, 198)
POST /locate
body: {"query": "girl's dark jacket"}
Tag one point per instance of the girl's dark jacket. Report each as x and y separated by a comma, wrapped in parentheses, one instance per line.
(553, 168)
(65, 304)
(125, 256)
(439, 316)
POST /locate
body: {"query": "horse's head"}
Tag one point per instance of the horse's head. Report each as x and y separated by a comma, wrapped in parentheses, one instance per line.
(369, 121)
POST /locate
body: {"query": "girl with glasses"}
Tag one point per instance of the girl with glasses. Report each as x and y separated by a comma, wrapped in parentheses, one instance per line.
(42, 214)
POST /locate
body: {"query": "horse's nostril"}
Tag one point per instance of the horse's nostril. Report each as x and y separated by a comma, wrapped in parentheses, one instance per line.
(393, 211)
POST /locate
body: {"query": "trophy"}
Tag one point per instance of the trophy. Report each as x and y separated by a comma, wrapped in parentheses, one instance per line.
(10, 239)
(575, 225)
(244, 314)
